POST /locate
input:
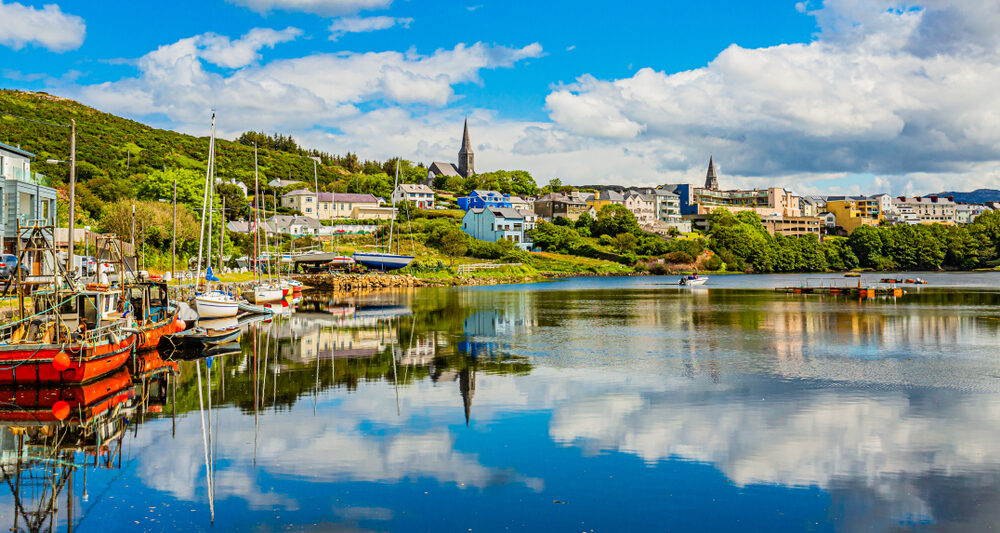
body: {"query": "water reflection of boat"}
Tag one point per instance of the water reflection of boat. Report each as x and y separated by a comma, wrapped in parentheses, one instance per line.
(43, 432)
(228, 348)
(78, 403)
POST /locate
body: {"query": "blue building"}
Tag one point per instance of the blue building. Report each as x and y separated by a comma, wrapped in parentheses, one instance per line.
(479, 199)
(499, 223)
(683, 192)
(24, 195)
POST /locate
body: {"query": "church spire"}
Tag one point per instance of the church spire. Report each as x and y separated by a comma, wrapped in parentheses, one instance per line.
(711, 180)
(466, 159)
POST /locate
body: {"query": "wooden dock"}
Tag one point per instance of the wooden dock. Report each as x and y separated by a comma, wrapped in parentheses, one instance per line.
(861, 292)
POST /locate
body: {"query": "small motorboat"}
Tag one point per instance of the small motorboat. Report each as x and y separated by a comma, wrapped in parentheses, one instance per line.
(693, 280)
(198, 339)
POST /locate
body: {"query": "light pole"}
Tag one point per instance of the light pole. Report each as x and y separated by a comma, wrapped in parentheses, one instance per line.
(72, 190)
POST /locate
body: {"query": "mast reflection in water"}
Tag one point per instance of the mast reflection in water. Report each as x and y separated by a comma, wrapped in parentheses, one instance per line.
(590, 404)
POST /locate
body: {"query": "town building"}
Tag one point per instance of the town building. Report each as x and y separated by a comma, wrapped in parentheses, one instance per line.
(770, 202)
(556, 204)
(327, 205)
(926, 209)
(828, 218)
(852, 212)
(668, 206)
(479, 199)
(527, 204)
(493, 224)
(418, 194)
(24, 195)
(643, 206)
(967, 213)
(793, 226)
(466, 161)
(605, 198)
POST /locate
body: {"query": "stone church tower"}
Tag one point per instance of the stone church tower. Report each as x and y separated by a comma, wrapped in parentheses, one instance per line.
(711, 181)
(466, 159)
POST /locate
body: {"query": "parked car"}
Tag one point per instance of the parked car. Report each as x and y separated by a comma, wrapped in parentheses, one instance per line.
(8, 264)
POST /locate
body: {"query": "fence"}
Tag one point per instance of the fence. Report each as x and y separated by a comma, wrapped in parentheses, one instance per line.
(465, 269)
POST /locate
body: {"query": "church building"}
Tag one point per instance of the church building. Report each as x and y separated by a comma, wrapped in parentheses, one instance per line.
(466, 161)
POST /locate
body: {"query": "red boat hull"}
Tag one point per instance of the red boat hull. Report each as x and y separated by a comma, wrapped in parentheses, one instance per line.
(33, 363)
(153, 332)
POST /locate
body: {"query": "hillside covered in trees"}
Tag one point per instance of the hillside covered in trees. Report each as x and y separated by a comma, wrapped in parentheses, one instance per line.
(121, 161)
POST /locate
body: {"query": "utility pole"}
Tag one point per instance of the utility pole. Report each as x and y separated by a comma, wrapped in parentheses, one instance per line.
(135, 264)
(222, 231)
(173, 241)
(72, 193)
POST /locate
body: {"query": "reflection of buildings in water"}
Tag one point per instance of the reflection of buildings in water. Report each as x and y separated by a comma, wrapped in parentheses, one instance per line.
(466, 378)
(492, 323)
(363, 333)
(421, 350)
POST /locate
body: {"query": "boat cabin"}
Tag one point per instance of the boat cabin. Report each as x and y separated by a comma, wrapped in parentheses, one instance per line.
(149, 301)
(93, 308)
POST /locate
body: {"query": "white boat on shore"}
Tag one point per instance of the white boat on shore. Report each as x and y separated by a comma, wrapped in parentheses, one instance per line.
(381, 261)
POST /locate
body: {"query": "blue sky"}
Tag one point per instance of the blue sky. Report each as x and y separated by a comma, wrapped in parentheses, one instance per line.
(834, 95)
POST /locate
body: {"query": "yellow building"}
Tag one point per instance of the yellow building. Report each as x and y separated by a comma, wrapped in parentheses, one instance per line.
(852, 212)
(605, 198)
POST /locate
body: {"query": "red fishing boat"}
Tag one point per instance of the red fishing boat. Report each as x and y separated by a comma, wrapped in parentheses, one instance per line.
(153, 312)
(77, 335)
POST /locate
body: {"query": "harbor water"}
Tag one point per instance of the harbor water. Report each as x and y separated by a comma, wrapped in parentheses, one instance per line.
(591, 404)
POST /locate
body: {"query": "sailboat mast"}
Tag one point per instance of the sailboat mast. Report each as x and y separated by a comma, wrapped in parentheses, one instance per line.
(211, 201)
(392, 220)
(204, 202)
(256, 218)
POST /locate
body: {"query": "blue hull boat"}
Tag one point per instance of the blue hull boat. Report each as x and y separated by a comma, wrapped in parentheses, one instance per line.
(377, 261)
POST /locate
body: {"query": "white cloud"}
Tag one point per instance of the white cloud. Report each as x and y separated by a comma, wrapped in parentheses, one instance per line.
(346, 25)
(318, 7)
(292, 95)
(219, 50)
(884, 89)
(48, 27)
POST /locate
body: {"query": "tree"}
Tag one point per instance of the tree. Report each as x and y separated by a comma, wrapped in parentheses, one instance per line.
(614, 219)
(625, 243)
(160, 184)
(454, 243)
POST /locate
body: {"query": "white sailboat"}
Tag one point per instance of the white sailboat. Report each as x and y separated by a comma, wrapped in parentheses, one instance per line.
(217, 303)
(387, 260)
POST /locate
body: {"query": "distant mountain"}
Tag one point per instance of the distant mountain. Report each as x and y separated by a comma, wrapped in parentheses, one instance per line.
(977, 196)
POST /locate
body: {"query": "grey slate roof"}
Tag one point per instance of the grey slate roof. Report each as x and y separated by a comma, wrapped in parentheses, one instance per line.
(506, 212)
(444, 169)
(348, 197)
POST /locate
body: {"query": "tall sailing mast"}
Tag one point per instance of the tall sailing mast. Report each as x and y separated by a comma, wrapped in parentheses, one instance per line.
(204, 203)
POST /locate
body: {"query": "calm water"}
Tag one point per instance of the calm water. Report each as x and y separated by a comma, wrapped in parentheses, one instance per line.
(591, 404)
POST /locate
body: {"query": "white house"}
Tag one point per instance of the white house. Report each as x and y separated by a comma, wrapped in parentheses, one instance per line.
(417, 194)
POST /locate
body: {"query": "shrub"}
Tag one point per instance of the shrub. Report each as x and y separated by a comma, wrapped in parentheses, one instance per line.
(678, 257)
(714, 262)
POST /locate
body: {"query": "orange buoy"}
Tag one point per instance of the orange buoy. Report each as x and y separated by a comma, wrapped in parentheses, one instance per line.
(60, 410)
(60, 362)
(179, 324)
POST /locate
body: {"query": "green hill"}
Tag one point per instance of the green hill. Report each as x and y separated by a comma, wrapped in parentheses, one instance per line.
(115, 154)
